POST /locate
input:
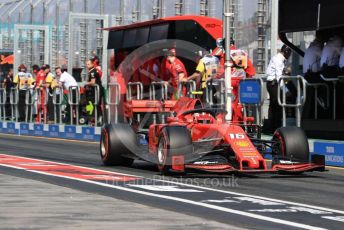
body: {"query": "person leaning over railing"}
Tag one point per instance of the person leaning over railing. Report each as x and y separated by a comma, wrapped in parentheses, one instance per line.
(93, 81)
(65, 81)
(205, 70)
(23, 81)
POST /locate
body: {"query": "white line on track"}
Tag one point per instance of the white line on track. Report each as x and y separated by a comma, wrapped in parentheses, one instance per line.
(254, 196)
(200, 187)
(205, 205)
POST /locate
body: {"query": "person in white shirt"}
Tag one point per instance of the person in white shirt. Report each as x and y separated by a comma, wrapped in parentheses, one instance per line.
(66, 81)
(331, 52)
(277, 64)
(274, 73)
(311, 60)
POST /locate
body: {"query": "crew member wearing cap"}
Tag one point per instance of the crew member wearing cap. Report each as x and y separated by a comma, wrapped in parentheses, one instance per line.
(176, 71)
(24, 82)
(274, 72)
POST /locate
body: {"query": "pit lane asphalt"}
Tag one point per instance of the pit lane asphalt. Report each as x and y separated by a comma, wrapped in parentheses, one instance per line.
(319, 189)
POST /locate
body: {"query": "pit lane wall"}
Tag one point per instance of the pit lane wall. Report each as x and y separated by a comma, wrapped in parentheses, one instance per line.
(333, 151)
(71, 132)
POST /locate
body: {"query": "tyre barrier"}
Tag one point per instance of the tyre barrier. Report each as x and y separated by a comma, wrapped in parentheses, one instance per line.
(71, 132)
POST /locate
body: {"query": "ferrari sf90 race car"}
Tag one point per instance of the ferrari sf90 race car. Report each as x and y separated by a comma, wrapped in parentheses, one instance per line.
(182, 135)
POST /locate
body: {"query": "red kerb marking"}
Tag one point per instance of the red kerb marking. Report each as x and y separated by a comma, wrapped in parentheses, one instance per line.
(65, 170)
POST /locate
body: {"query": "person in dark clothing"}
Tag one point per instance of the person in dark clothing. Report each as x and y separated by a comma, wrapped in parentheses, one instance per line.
(8, 84)
(92, 81)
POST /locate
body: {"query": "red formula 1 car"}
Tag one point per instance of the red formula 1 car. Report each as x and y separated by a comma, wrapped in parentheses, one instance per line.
(182, 135)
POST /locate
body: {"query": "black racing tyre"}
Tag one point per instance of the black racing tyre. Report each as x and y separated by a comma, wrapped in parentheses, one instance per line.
(292, 144)
(117, 141)
(173, 140)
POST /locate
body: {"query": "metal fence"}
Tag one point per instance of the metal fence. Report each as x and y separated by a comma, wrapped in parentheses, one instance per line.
(57, 106)
(300, 97)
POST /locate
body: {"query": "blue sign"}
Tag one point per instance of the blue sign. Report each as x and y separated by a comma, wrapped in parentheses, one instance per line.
(24, 129)
(38, 130)
(11, 128)
(250, 92)
(334, 152)
(53, 131)
(70, 132)
(87, 133)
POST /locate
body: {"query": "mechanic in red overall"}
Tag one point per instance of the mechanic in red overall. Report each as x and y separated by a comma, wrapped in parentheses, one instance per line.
(241, 65)
(176, 71)
(35, 69)
(117, 77)
(40, 78)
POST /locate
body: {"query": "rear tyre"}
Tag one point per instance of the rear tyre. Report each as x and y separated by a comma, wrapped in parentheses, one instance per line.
(117, 142)
(291, 143)
(173, 141)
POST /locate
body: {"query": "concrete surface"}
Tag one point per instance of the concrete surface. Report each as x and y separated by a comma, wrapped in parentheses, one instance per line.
(29, 204)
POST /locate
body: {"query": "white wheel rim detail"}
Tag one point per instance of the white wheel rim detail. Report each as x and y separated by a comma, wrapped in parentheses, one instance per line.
(161, 155)
(102, 147)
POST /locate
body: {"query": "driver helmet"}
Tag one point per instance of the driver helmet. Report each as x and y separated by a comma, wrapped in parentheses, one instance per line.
(239, 58)
(219, 42)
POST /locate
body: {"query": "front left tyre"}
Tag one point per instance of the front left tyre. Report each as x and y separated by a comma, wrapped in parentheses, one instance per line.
(118, 142)
(292, 144)
(174, 143)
